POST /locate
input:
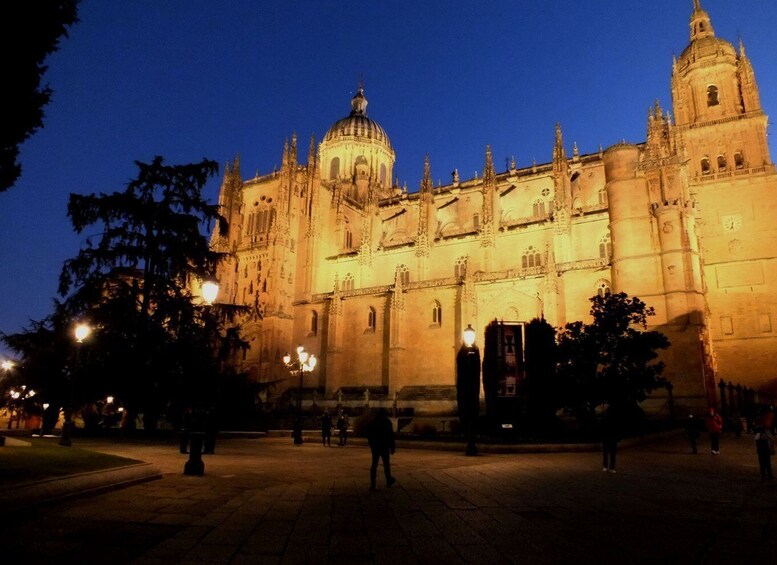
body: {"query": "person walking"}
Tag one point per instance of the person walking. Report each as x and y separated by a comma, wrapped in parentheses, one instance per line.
(692, 428)
(342, 427)
(714, 424)
(326, 429)
(609, 433)
(764, 448)
(380, 436)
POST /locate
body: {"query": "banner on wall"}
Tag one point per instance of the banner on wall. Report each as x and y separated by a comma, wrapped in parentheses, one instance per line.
(503, 361)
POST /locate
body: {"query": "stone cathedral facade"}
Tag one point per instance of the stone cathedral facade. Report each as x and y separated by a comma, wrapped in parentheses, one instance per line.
(380, 282)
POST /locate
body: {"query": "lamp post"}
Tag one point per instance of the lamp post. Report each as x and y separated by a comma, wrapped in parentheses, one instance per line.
(468, 387)
(81, 332)
(194, 464)
(304, 363)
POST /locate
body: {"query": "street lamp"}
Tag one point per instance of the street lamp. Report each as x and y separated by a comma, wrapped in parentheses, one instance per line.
(468, 387)
(210, 290)
(81, 332)
(304, 363)
(194, 464)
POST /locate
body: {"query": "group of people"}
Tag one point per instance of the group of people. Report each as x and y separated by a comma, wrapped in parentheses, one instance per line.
(763, 428)
(342, 428)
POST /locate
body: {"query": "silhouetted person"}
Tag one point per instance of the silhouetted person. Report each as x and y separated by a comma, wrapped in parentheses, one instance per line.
(187, 420)
(609, 433)
(380, 435)
(326, 428)
(342, 427)
(714, 424)
(764, 447)
(692, 427)
(211, 427)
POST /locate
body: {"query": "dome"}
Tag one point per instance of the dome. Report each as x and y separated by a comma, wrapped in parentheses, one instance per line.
(357, 125)
(708, 47)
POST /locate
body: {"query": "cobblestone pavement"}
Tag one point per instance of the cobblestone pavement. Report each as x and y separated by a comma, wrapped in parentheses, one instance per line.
(268, 501)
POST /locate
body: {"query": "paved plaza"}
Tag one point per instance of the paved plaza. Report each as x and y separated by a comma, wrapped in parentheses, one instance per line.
(265, 500)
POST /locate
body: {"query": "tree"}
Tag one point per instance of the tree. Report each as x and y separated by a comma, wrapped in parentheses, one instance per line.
(612, 360)
(156, 346)
(540, 364)
(31, 31)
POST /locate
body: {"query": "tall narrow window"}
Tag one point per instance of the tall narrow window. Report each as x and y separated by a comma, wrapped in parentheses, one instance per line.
(712, 95)
(348, 282)
(460, 270)
(739, 160)
(602, 195)
(314, 322)
(371, 315)
(404, 275)
(476, 221)
(436, 313)
(705, 166)
(334, 168)
(603, 288)
(605, 247)
(383, 175)
(721, 163)
(538, 208)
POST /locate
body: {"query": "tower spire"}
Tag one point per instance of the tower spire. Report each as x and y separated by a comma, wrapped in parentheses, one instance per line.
(701, 26)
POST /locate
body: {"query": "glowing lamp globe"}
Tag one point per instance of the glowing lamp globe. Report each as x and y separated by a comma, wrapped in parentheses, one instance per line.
(210, 289)
(81, 332)
(469, 336)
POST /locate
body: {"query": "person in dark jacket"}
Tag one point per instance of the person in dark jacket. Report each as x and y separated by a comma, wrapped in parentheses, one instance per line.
(609, 433)
(380, 435)
(764, 448)
(326, 429)
(692, 427)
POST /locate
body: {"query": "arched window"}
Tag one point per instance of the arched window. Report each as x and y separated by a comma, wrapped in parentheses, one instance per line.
(460, 269)
(371, 317)
(712, 95)
(705, 166)
(603, 288)
(538, 208)
(721, 163)
(404, 274)
(313, 322)
(436, 313)
(605, 247)
(348, 282)
(531, 258)
(347, 237)
(739, 160)
(383, 175)
(334, 168)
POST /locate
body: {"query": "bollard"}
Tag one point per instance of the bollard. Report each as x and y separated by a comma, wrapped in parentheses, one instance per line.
(195, 466)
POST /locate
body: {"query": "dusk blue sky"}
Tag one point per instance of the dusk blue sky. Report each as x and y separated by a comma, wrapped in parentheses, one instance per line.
(188, 79)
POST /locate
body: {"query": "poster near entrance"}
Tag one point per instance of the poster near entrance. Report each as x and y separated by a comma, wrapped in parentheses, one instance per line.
(503, 368)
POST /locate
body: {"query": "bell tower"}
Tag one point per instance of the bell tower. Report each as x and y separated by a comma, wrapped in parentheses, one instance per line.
(717, 107)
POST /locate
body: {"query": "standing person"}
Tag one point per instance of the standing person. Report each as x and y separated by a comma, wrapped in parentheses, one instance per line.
(342, 427)
(714, 424)
(380, 435)
(326, 429)
(764, 447)
(609, 432)
(693, 433)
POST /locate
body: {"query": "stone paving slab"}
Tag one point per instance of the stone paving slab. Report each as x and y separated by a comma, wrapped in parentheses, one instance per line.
(267, 501)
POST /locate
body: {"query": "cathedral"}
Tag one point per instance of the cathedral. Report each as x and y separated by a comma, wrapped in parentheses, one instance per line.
(379, 282)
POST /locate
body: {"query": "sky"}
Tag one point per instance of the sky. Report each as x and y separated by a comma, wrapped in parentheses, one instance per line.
(193, 79)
